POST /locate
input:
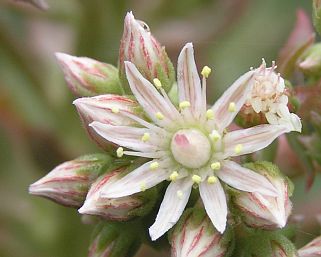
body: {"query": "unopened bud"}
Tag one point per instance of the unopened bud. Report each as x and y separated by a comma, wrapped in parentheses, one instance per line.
(140, 47)
(120, 209)
(310, 62)
(195, 236)
(88, 77)
(114, 240)
(283, 248)
(312, 249)
(266, 212)
(109, 109)
(69, 182)
(316, 14)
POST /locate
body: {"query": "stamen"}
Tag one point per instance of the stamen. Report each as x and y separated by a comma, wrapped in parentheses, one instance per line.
(184, 104)
(196, 179)
(159, 116)
(179, 194)
(232, 107)
(115, 110)
(210, 114)
(211, 179)
(157, 83)
(238, 148)
(216, 166)
(173, 177)
(145, 137)
(120, 152)
(206, 71)
(215, 135)
(154, 165)
(143, 186)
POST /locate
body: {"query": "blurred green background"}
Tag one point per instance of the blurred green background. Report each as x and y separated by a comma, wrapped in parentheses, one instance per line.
(40, 127)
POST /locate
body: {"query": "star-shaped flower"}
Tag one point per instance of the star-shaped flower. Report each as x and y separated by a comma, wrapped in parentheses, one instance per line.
(188, 145)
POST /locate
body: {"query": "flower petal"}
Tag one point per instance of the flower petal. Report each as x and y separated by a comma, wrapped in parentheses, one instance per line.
(214, 200)
(189, 84)
(172, 207)
(148, 97)
(130, 137)
(245, 179)
(237, 93)
(136, 181)
(251, 140)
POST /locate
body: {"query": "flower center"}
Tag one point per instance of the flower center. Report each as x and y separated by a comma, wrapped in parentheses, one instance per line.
(191, 148)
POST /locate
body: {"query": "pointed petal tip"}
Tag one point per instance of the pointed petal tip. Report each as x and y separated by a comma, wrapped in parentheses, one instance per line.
(154, 234)
(86, 208)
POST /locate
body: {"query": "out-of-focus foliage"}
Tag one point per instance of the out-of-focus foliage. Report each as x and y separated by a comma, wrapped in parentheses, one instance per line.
(39, 125)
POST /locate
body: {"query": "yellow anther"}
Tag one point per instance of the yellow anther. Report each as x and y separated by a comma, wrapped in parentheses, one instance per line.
(173, 176)
(210, 114)
(145, 137)
(238, 148)
(154, 165)
(211, 179)
(184, 104)
(215, 135)
(143, 186)
(232, 107)
(157, 83)
(206, 71)
(120, 152)
(115, 110)
(179, 194)
(196, 179)
(216, 166)
(159, 116)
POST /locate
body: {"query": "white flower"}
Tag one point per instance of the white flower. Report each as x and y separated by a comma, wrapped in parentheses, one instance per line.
(269, 97)
(188, 145)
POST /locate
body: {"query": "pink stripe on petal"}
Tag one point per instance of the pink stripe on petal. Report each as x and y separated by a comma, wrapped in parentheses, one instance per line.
(189, 84)
(137, 180)
(251, 139)
(147, 95)
(214, 200)
(245, 179)
(171, 208)
(237, 93)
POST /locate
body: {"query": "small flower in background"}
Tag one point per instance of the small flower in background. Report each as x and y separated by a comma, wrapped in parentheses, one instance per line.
(269, 96)
(140, 47)
(312, 249)
(88, 77)
(189, 145)
(195, 236)
(106, 109)
(262, 211)
(119, 209)
(69, 182)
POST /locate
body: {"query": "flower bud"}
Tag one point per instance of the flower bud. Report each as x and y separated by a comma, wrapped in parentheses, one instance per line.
(310, 61)
(114, 240)
(140, 47)
(262, 211)
(119, 209)
(283, 248)
(195, 236)
(316, 6)
(109, 109)
(312, 249)
(69, 182)
(88, 77)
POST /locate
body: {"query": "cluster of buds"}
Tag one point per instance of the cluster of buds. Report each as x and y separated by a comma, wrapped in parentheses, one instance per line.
(69, 182)
(312, 249)
(269, 97)
(266, 212)
(119, 209)
(195, 236)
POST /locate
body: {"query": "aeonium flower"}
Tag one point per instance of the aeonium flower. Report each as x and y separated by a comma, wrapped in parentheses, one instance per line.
(188, 145)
